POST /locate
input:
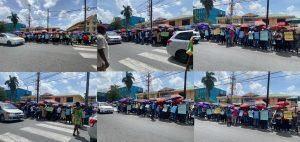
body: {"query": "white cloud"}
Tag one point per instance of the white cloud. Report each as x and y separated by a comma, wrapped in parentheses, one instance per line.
(257, 8)
(49, 3)
(291, 88)
(257, 88)
(105, 15)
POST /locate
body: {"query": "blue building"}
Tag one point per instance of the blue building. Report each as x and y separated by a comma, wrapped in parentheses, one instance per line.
(214, 93)
(19, 93)
(133, 21)
(9, 27)
(133, 91)
(101, 97)
(200, 15)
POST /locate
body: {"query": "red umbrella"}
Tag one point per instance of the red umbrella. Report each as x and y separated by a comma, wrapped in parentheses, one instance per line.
(282, 24)
(245, 105)
(160, 100)
(259, 23)
(260, 107)
(176, 96)
(283, 103)
(123, 30)
(277, 107)
(244, 26)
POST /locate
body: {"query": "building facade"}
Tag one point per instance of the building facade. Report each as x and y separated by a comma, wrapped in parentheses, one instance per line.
(167, 93)
(134, 20)
(19, 93)
(101, 97)
(9, 27)
(214, 93)
(70, 99)
(180, 21)
(200, 15)
(91, 25)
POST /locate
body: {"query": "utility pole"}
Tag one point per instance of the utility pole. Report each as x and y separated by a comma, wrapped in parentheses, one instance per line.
(85, 9)
(87, 88)
(232, 86)
(29, 16)
(148, 81)
(38, 86)
(48, 19)
(267, 17)
(268, 88)
(151, 13)
(231, 10)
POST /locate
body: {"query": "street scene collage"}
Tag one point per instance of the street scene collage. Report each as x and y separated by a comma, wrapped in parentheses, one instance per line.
(149, 70)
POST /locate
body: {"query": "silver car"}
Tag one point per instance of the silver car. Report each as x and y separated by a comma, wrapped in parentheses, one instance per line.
(105, 108)
(113, 38)
(11, 39)
(8, 112)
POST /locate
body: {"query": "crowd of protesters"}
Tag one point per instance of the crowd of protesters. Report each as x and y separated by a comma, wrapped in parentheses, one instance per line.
(175, 110)
(277, 118)
(277, 38)
(55, 112)
(65, 38)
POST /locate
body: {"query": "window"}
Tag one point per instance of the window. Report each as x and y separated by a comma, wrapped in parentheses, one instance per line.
(186, 22)
(184, 36)
(69, 99)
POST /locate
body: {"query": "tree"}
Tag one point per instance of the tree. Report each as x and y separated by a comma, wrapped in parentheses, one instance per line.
(12, 83)
(209, 82)
(113, 94)
(3, 96)
(116, 24)
(14, 19)
(127, 13)
(128, 81)
(208, 5)
(2, 27)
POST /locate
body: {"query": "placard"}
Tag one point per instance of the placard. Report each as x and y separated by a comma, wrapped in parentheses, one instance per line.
(206, 32)
(217, 31)
(147, 106)
(164, 34)
(241, 113)
(208, 112)
(288, 36)
(250, 37)
(182, 109)
(264, 35)
(287, 115)
(264, 115)
(173, 109)
(128, 107)
(165, 108)
(217, 111)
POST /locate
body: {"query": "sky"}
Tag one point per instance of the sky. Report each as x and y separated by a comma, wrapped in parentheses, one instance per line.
(290, 7)
(107, 9)
(256, 82)
(60, 14)
(64, 83)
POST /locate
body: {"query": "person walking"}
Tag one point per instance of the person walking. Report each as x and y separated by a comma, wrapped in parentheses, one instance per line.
(77, 118)
(103, 49)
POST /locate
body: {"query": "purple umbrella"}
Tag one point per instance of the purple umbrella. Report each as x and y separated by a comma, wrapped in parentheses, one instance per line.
(206, 106)
(124, 100)
(230, 27)
(202, 26)
(200, 104)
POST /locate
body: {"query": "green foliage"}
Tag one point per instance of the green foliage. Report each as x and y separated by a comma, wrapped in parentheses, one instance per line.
(127, 13)
(12, 83)
(128, 81)
(208, 5)
(209, 82)
(113, 94)
(14, 19)
(3, 96)
(2, 27)
(116, 24)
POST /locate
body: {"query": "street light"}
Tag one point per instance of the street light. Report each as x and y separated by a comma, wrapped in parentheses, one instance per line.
(267, 17)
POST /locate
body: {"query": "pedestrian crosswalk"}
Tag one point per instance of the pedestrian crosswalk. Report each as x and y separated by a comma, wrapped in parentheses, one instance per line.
(56, 132)
(88, 53)
(154, 60)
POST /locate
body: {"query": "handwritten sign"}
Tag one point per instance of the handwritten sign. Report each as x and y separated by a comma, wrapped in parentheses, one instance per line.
(217, 111)
(264, 35)
(217, 31)
(287, 115)
(264, 115)
(128, 107)
(208, 112)
(206, 32)
(288, 36)
(241, 113)
(250, 37)
(164, 34)
(165, 108)
(173, 109)
(182, 109)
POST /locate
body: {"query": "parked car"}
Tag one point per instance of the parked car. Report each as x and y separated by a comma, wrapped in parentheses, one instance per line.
(105, 108)
(9, 112)
(92, 129)
(11, 39)
(196, 36)
(113, 38)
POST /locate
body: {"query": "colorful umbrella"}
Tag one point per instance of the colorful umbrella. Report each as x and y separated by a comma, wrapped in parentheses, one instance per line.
(282, 103)
(202, 26)
(244, 26)
(259, 23)
(245, 105)
(160, 100)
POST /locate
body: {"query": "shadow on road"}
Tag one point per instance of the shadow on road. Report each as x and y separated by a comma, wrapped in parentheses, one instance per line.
(83, 139)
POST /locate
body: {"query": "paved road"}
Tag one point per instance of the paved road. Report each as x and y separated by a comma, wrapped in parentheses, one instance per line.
(131, 128)
(211, 56)
(136, 57)
(47, 57)
(39, 131)
(206, 131)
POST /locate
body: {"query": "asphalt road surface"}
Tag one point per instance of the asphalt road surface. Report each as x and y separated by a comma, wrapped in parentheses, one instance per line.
(131, 128)
(213, 57)
(206, 131)
(136, 57)
(39, 131)
(48, 57)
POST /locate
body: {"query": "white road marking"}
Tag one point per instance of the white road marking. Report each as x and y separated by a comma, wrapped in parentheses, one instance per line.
(160, 51)
(55, 128)
(88, 55)
(60, 124)
(137, 65)
(9, 137)
(47, 134)
(159, 58)
(86, 49)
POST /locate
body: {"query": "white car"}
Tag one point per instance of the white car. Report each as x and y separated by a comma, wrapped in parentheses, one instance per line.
(113, 38)
(177, 45)
(11, 39)
(105, 108)
(8, 112)
(92, 129)
(196, 36)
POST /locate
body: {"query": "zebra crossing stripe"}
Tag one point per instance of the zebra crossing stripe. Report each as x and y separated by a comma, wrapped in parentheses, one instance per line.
(86, 49)
(159, 58)
(9, 137)
(88, 55)
(55, 128)
(160, 51)
(60, 124)
(137, 65)
(47, 134)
